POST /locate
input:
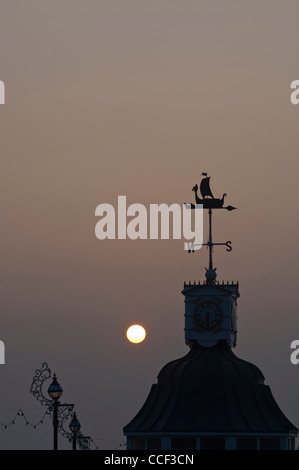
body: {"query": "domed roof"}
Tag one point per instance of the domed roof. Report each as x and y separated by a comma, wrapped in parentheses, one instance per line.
(210, 364)
(210, 390)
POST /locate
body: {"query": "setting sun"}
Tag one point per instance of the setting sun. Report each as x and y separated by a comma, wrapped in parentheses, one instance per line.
(136, 333)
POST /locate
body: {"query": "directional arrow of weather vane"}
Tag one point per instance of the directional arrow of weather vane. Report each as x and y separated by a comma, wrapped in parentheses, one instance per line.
(192, 206)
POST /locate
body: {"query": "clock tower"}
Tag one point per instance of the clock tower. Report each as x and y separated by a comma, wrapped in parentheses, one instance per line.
(211, 313)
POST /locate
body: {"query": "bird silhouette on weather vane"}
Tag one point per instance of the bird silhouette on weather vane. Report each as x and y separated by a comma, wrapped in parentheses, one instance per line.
(208, 201)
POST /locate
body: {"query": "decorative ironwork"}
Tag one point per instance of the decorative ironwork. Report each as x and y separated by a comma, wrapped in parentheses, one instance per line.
(64, 410)
(83, 441)
(41, 375)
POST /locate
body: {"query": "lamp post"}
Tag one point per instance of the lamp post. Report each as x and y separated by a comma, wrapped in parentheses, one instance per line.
(61, 411)
(55, 391)
(75, 428)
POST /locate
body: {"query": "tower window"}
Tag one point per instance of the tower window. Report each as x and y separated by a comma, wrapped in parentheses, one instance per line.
(153, 443)
(183, 443)
(291, 444)
(246, 443)
(270, 444)
(212, 443)
(138, 443)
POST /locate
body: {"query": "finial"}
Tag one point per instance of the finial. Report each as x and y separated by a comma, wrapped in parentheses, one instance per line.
(211, 276)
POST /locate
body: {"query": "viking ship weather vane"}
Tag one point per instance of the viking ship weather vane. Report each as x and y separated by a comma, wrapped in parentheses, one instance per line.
(209, 202)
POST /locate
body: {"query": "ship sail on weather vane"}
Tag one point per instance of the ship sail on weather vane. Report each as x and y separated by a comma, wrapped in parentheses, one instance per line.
(208, 201)
(205, 186)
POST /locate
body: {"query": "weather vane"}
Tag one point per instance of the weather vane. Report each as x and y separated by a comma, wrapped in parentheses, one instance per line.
(208, 201)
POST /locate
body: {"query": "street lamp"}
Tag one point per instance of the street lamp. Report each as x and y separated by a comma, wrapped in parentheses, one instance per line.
(61, 411)
(75, 428)
(55, 391)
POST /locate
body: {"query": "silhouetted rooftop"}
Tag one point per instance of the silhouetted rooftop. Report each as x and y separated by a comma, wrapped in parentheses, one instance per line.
(210, 390)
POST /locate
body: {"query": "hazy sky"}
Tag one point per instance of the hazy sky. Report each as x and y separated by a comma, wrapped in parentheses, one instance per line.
(137, 98)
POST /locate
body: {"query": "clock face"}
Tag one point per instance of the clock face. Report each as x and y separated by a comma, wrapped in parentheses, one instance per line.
(207, 315)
